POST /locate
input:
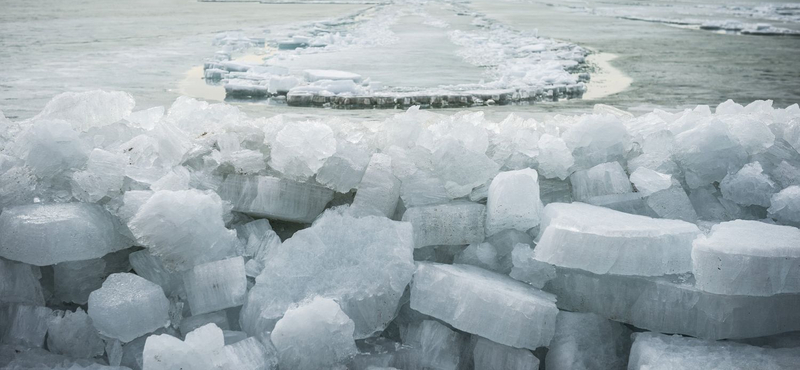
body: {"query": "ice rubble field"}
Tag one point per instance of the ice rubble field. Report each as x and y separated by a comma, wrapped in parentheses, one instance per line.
(198, 238)
(519, 67)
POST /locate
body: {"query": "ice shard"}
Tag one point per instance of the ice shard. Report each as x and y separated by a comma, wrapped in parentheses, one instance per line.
(605, 241)
(485, 303)
(513, 202)
(315, 335)
(276, 198)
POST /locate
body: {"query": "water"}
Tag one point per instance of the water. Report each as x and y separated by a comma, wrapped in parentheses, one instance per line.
(150, 47)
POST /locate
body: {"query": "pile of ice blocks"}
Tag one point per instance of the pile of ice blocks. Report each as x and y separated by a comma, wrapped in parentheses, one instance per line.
(197, 237)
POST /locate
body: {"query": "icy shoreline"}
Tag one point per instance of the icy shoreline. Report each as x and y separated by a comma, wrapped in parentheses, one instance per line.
(195, 236)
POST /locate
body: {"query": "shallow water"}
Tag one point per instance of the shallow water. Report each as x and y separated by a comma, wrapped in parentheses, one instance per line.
(149, 47)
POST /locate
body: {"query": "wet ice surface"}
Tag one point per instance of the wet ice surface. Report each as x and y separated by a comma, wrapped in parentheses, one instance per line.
(229, 242)
(433, 54)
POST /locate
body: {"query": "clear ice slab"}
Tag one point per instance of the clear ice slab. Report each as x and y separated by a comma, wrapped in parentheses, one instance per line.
(748, 258)
(674, 305)
(485, 303)
(605, 241)
(46, 234)
(271, 197)
(653, 351)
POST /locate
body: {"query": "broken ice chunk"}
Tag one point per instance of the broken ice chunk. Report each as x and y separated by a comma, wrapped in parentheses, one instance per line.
(555, 159)
(315, 335)
(648, 181)
(672, 203)
(299, 150)
(276, 198)
(343, 170)
(183, 228)
(72, 334)
(488, 355)
(24, 325)
(103, 176)
(364, 263)
(707, 153)
(46, 234)
(447, 224)
(150, 267)
(748, 258)
(483, 255)
(785, 206)
(749, 186)
(605, 241)
(653, 351)
(528, 269)
(434, 345)
(89, 109)
(513, 201)
(218, 318)
(248, 354)
(673, 305)
(597, 139)
(19, 284)
(588, 341)
(603, 179)
(484, 303)
(462, 169)
(379, 189)
(216, 285)
(199, 351)
(127, 307)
